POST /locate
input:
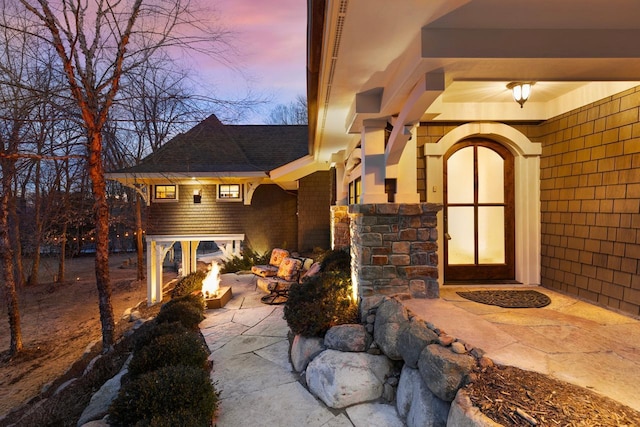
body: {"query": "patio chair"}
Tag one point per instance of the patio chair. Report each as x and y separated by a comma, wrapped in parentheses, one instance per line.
(277, 255)
(292, 271)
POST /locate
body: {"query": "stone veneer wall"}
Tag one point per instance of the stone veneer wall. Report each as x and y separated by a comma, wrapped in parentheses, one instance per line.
(340, 238)
(394, 249)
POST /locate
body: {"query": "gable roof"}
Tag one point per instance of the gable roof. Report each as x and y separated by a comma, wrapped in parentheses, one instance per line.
(212, 147)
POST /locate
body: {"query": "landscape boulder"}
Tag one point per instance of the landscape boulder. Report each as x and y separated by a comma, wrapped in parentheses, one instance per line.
(416, 403)
(444, 371)
(342, 379)
(101, 399)
(413, 339)
(391, 319)
(303, 350)
(464, 414)
(346, 338)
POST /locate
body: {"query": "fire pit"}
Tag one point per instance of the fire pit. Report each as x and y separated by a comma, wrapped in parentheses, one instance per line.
(214, 295)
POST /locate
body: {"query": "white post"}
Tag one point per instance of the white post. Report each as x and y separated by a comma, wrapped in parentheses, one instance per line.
(194, 255)
(151, 272)
(373, 162)
(159, 254)
(407, 172)
(186, 257)
(342, 193)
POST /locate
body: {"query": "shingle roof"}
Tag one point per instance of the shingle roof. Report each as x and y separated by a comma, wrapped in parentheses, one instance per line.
(212, 146)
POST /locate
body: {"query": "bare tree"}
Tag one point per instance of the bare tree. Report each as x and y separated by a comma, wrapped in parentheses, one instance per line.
(17, 102)
(97, 43)
(294, 113)
(156, 104)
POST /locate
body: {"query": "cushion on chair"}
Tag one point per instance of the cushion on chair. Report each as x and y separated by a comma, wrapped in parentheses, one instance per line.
(264, 270)
(311, 271)
(277, 255)
(289, 269)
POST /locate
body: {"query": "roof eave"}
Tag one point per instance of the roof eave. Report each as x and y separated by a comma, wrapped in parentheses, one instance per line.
(183, 178)
(315, 28)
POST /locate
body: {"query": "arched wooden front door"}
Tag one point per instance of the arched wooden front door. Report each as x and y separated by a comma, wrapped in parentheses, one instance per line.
(479, 213)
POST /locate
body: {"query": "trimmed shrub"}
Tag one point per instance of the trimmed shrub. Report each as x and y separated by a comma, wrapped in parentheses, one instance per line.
(183, 394)
(188, 310)
(336, 260)
(152, 330)
(192, 282)
(320, 302)
(249, 258)
(185, 348)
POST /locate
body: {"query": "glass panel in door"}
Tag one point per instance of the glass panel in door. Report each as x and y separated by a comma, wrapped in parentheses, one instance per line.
(479, 212)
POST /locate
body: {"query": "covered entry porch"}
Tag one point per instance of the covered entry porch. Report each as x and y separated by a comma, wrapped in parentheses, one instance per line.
(159, 245)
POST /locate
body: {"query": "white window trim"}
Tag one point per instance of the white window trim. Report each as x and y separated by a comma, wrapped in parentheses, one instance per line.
(229, 199)
(161, 200)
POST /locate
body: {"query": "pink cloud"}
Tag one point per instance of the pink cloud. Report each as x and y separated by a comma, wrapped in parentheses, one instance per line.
(271, 38)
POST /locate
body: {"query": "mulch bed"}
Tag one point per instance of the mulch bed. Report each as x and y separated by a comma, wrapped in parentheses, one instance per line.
(514, 397)
(508, 298)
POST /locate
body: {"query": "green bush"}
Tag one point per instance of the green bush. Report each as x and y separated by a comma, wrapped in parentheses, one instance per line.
(320, 302)
(152, 330)
(248, 259)
(338, 260)
(190, 283)
(185, 348)
(188, 310)
(182, 394)
(179, 418)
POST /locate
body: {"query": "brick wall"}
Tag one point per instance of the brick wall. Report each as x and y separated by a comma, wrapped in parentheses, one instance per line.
(394, 249)
(590, 202)
(314, 198)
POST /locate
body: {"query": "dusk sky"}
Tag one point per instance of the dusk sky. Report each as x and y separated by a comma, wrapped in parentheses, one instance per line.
(271, 38)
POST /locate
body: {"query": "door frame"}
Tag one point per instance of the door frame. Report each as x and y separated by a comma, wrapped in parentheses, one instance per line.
(527, 190)
(484, 272)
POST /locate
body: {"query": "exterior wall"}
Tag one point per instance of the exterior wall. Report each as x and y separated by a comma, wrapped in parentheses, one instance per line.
(590, 194)
(393, 249)
(270, 221)
(314, 199)
(427, 134)
(590, 199)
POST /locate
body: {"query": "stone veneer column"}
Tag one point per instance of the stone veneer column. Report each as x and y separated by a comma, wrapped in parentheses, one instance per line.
(340, 238)
(394, 249)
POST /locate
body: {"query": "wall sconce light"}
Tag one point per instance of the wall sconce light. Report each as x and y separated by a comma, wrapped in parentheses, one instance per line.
(521, 91)
(197, 196)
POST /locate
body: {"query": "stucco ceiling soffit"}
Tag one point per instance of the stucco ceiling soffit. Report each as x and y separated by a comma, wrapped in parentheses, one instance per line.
(529, 43)
(287, 176)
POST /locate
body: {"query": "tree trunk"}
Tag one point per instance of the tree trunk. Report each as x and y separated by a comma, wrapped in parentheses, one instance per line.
(101, 209)
(63, 254)
(13, 225)
(37, 239)
(140, 248)
(6, 250)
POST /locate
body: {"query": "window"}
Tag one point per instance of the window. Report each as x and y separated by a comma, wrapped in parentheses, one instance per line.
(229, 192)
(355, 190)
(165, 192)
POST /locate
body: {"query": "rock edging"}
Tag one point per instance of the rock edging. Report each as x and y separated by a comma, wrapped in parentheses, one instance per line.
(423, 377)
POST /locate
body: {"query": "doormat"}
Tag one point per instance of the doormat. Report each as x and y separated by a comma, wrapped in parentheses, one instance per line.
(508, 298)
